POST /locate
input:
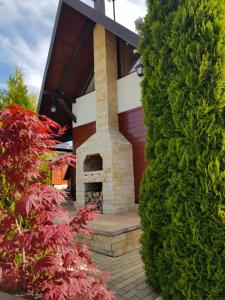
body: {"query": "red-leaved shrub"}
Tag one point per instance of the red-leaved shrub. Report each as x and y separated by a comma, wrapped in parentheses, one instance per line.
(38, 252)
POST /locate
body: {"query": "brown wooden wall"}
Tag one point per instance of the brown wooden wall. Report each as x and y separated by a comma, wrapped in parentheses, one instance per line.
(58, 175)
(82, 133)
(131, 126)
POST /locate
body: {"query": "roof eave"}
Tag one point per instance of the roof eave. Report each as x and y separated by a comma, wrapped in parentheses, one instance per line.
(116, 28)
(127, 35)
(49, 55)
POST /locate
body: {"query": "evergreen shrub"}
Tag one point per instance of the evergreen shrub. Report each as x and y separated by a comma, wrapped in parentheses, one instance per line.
(182, 207)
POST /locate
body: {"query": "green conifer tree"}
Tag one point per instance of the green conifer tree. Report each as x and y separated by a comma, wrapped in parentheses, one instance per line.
(182, 205)
(17, 92)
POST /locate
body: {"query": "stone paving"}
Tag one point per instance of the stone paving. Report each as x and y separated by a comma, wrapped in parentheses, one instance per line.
(127, 276)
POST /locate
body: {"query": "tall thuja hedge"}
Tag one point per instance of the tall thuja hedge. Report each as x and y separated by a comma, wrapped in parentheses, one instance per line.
(182, 205)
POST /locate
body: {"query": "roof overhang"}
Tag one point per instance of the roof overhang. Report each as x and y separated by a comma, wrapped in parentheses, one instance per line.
(70, 59)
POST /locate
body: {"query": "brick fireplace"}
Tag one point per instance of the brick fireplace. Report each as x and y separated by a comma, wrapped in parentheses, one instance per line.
(104, 169)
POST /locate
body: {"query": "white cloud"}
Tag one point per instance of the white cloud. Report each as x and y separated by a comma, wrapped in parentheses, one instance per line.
(8, 13)
(127, 11)
(31, 60)
(14, 11)
(26, 27)
(25, 32)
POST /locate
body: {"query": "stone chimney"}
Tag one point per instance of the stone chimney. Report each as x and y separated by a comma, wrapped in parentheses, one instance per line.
(105, 161)
(105, 57)
(99, 5)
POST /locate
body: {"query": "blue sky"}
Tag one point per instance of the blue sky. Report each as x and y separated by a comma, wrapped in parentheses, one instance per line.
(26, 28)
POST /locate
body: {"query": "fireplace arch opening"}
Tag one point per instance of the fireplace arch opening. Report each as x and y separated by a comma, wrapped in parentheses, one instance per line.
(93, 163)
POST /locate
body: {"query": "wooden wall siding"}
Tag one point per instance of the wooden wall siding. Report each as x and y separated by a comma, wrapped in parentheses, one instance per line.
(82, 133)
(58, 176)
(132, 127)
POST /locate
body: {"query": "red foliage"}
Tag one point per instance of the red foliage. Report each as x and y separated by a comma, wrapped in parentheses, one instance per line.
(38, 251)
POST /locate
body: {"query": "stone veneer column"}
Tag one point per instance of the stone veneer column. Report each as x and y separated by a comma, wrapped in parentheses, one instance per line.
(117, 176)
(105, 58)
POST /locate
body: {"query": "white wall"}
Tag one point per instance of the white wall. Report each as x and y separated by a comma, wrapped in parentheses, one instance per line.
(85, 109)
(128, 95)
(129, 92)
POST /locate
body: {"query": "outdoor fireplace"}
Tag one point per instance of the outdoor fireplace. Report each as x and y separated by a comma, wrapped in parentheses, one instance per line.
(104, 169)
(93, 163)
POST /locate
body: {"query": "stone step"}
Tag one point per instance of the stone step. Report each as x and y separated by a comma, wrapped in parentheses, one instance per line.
(114, 235)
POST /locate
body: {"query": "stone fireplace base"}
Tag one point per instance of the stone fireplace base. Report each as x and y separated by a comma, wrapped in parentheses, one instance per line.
(114, 235)
(116, 175)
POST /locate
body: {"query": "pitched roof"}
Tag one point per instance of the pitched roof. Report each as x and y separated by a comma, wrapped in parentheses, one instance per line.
(70, 58)
(112, 26)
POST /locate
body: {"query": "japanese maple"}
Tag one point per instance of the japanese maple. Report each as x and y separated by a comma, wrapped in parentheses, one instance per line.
(38, 248)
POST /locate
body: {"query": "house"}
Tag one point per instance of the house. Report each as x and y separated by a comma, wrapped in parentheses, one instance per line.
(90, 85)
(60, 177)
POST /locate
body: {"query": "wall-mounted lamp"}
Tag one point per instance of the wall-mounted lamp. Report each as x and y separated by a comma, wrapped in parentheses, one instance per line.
(140, 70)
(62, 102)
(53, 105)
